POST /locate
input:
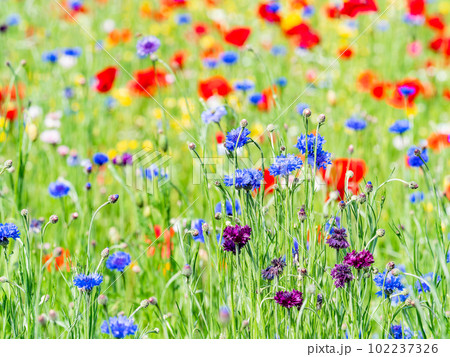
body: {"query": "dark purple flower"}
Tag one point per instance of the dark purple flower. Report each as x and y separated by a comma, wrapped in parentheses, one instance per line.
(147, 45)
(359, 260)
(276, 269)
(342, 274)
(235, 236)
(337, 239)
(289, 299)
(123, 160)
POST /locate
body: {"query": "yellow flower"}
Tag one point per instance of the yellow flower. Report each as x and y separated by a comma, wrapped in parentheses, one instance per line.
(207, 41)
(122, 95)
(32, 131)
(157, 113)
(2, 136)
(411, 110)
(122, 146)
(257, 130)
(147, 145)
(132, 144)
(111, 153)
(428, 207)
(444, 7)
(291, 20)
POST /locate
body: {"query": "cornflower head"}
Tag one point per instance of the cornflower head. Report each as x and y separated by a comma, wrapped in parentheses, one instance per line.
(228, 208)
(237, 138)
(356, 123)
(247, 179)
(308, 144)
(337, 239)
(197, 227)
(87, 282)
(8, 231)
(244, 85)
(154, 172)
(397, 332)
(417, 157)
(58, 189)
(214, 115)
(422, 286)
(235, 237)
(389, 284)
(284, 165)
(100, 158)
(275, 269)
(342, 274)
(400, 126)
(119, 327)
(359, 260)
(147, 45)
(118, 261)
(289, 299)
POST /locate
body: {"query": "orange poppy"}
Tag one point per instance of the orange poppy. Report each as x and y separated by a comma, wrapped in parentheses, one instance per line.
(59, 262)
(215, 85)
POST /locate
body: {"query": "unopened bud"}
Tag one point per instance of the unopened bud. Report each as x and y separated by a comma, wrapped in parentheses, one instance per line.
(270, 128)
(105, 253)
(362, 198)
(52, 315)
(413, 185)
(3, 279)
(24, 212)
(390, 266)
(321, 119)
(42, 320)
(245, 324)
(103, 300)
(306, 112)
(57, 252)
(54, 218)
(244, 123)
(144, 304)
(8, 164)
(395, 272)
(381, 232)
(191, 146)
(349, 174)
(113, 198)
(153, 300)
(369, 187)
(341, 205)
(218, 216)
(195, 232)
(75, 215)
(351, 149)
(186, 271)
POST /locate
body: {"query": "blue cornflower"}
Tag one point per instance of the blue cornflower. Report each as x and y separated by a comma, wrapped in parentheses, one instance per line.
(416, 161)
(87, 282)
(210, 63)
(228, 207)
(448, 257)
(322, 157)
(8, 231)
(248, 179)
(183, 19)
(229, 57)
(147, 45)
(273, 7)
(72, 51)
(295, 249)
(235, 139)
(416, 197)
(413, 20)
(58, 189)
(214, 115)
(400, 126)
(118, 261)
(300, 107)
(329, 229)
(36, 225)
(100, 158)
(278, 50)
(284, 165)
(244, 85)
(396, 332)
(406, 90)
(390, 284)
(197, 224)
(356, 123)
(308, 11)
(281, 81)
(422, 286)
(13, 20)
(50, 56)
(155, 172)
(120, 326)
(255, 98)
(75, 4)
(68, 92)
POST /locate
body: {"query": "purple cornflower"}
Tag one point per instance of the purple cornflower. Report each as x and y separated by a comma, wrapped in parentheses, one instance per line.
(87, 282)
(289, 299)
(235, 139)
(58, 189)
(123, 160)
(406, 90)
(235, 237)
(120, 326)
(147, 45)
(359, 260)
(214, 115)
(274, 270)
(284, 165)
(342, 274)
(118, 261)
(308, 143)
(248, 179)
(337, 239)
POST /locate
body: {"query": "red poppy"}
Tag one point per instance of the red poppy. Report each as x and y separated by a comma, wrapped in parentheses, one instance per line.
(10, 92)
(345, 53)
(438, 141)
(441, 44)
(269, 181)
(215, 85)
(267, 14)
(399, 101)
(446, 94)
(146, 81)
(11, 114)
(220, 137)
(59, 262)
(365, 81)
(436, 22)
(164, 244)
(379, 90)
(334, 175)
(105, 79)
(332, 11)
(178, 59)
(201, 29)
(416, 7)
(304, 36)
(352, 8)
(267, 100)
(238, 36)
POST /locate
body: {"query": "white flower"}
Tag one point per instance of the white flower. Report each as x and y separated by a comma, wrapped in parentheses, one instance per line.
(51, 136)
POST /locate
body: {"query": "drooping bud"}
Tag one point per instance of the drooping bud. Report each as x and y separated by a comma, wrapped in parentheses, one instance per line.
(381, 232)
(153, 300)
(54, 219)
(413, 185)
(113, 198)
(191, 146)
(144, 304)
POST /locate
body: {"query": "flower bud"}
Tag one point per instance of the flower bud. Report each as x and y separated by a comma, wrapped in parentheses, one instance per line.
(244, 123)
(218, 216)
(302, 214)
(306, 112)
(224, 314)
(191, 146)
(153, 300)
(186, 271)
(8, 164)
(144, 304)
(3, 279)
(113, 198)
(341, 205)
(52, 315)
(105, 253)
(349, 174)
(321, 119)
(42, 320)
(417, 152)
(381, 232)
(57, 252)
(270, 128)
(24, 212)
(54, 219)
(74, 215)
(362, 198)
(351, 149)
(245, 324)
(102, 300)
(369, 187)
(195, 232)
(413, 185)
(390, 266)
(395, 272)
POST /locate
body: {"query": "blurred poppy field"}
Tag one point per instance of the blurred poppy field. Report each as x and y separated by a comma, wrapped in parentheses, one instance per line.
(220, 169)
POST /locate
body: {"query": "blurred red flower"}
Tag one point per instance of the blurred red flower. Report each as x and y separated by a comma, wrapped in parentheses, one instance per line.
(267, 14)
(216, 85)
(59, 262)
(147, 80)
(105, 79)
(238, 36)
(352, 8)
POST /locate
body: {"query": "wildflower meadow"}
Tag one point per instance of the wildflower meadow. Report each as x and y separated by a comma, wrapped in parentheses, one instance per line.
(220, 169)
